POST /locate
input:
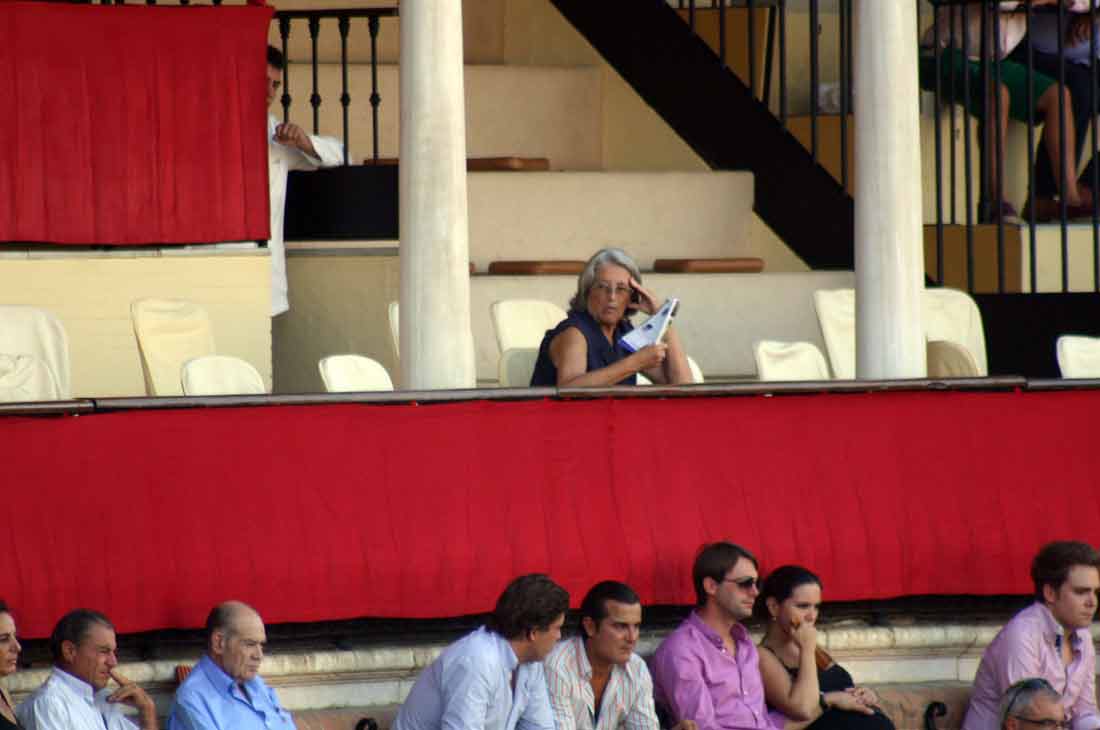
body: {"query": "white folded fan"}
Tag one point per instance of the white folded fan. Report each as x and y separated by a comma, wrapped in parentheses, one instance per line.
(653, 329)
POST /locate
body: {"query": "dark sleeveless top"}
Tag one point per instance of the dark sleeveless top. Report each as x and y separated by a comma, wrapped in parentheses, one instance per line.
(837, 679)
(6, 724)
(601, 353)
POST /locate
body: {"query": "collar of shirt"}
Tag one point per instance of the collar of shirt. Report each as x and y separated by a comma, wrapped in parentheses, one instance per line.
(738, 633)
(223, 682)
(1055, 633)
(75, 684)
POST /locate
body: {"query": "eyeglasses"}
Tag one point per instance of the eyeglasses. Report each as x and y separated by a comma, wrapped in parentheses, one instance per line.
(1046, 724)
(746, 584)
(608, 289)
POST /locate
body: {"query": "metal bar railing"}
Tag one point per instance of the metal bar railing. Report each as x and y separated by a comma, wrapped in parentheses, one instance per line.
(814, 80)
(1031, 227)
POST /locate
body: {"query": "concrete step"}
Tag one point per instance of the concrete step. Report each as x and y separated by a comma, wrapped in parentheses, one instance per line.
(525, 111)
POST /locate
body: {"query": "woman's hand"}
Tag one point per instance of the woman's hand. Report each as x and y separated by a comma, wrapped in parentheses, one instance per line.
(866, 695)
(848, 702)
(647, 302)
(649, 357)
(805, 634)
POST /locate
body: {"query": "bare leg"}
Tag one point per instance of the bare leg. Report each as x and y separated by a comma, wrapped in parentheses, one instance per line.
(1052, 132)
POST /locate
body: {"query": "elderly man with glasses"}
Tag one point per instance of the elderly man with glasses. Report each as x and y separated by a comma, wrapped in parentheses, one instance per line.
(1048, 640)
(1032, 704)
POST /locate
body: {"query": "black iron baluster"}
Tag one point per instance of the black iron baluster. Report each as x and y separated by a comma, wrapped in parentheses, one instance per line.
(721, 30)
(344, 24)
(813, 78)
(783, 63)
(691, 14)
(375, 98)
(1063, 172)
(769, 51)
(937, 97)
(999, 150)
(844, 9)
(968, 166)
(1031, 227)
(752, 47)
(315, 98)
(951, 114)
(284, 34)
(985, 205)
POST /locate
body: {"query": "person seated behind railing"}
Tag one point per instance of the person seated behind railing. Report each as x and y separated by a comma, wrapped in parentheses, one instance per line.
(288, 148)
(585, 348)
(955, 61)
(1077, 50)
(799, 677)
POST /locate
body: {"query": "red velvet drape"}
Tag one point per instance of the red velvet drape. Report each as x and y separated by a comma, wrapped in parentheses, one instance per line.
(132, 124)
(338, 511)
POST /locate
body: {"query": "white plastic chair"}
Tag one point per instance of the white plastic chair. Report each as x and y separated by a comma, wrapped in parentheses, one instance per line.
(32, 331)
(522, 323)
(26, 378)
(516, 367)
(353, 374)
(169, 333)
(836, 313)
(395, 329)
(220, 375)
(953, 316)
(950, 360)
(776, 361)
(1078, 356)
(696, 373)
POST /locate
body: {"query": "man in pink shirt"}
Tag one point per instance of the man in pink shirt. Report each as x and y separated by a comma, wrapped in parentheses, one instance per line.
(708, 669)
(1049, 639)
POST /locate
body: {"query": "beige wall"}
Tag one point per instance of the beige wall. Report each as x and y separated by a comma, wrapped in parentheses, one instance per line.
(91, 293)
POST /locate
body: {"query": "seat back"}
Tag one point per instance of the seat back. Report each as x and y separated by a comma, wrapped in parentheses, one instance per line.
(353, 374)
(169, 332)
(951, 360)
(26, 378)
(696, 371)
(394, 314)
(220, 375)
(32, 331)
(1078, 356)
(836, 313)
(522, 323)
(953, 316)
(516, 367)
(777, 361)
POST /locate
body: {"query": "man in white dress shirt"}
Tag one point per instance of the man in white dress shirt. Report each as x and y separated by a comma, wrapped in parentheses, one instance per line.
(75, 695)
(493, 678)
(288, 148)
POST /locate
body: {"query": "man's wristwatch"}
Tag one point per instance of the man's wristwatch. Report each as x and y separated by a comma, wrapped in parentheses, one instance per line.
(821, 701)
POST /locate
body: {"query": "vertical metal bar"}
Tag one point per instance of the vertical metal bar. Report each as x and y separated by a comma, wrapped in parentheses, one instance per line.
(999, 145)
(1095, 182)
(343, 25)
(783, 63)
(752, 46)
(968, 165)
(1031, 227)
(937, 100)
(284, 34)
(844, 8)
(813, 78)
(951, 110)
(315, 98)
(1063, 172)
(691, 14)
(375, 98)
(769, 51)
(985, 205)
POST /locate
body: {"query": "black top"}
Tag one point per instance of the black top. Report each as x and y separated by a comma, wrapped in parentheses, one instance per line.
(601, 353)
(836, 679)
(6, 724)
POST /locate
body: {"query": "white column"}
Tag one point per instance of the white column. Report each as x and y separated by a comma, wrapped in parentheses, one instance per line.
(889, 248)
(437, 346)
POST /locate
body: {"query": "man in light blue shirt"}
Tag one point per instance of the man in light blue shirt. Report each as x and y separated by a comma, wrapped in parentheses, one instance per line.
(493, 678)
(224, 691)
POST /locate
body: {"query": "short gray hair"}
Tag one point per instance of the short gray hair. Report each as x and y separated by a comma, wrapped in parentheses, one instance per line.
(1021, 694)
(616, 256)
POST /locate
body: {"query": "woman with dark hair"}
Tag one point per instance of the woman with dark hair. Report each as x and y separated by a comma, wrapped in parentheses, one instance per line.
(9, 662)
(800, 679)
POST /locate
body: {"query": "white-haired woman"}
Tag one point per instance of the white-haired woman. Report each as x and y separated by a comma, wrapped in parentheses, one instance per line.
(585, 350)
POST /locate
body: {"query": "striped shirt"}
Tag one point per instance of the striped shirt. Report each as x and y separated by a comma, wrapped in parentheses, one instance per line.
(627, 699)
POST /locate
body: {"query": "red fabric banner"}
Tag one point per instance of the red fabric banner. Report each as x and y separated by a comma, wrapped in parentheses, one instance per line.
(132, 124)
(339, 511)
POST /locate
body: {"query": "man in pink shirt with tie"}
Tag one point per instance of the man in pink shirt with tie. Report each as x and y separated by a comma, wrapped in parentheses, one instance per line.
(1049, 639)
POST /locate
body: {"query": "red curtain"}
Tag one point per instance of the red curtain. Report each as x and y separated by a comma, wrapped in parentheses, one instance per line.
(338, 511)
(132, 124)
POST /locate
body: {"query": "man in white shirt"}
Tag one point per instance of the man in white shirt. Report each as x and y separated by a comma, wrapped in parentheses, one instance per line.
(493, 679)
(288, 148)
(596, 681)
(75, 695)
